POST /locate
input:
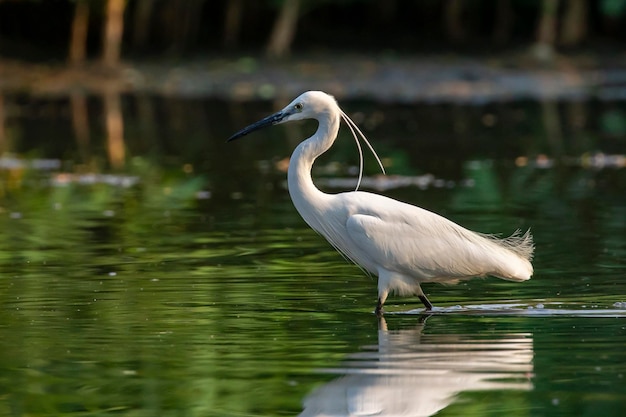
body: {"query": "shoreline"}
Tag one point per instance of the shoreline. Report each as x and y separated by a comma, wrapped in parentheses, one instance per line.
(411, 79)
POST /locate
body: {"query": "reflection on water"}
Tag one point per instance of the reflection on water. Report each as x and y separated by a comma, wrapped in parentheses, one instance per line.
(410, 373)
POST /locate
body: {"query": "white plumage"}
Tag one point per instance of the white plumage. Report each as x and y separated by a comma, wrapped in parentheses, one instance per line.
(402, 244)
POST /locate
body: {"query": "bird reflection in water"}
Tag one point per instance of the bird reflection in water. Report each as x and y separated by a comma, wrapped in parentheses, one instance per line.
(414, 374)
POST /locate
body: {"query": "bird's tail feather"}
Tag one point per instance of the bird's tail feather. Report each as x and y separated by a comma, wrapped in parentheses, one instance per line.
(519, 243)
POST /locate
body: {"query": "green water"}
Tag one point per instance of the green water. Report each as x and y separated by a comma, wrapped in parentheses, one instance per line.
(196, 289)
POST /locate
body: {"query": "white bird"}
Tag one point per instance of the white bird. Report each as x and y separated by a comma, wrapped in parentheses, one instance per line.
(402, 244)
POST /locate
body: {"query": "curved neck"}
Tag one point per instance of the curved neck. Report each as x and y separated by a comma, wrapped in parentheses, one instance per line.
(303, 192)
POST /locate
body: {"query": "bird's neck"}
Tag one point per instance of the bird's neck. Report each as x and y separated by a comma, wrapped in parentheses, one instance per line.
(303, 191)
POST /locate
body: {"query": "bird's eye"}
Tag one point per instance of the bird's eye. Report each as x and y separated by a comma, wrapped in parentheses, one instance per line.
(298, 106)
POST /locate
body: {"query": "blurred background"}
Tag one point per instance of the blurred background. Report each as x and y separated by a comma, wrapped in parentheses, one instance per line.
(104, 69)
(93, 86)
(149, 268)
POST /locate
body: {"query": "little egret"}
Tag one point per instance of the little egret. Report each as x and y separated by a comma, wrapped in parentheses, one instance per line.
(402, 244)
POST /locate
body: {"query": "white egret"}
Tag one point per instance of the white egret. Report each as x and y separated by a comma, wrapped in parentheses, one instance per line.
(402, 244)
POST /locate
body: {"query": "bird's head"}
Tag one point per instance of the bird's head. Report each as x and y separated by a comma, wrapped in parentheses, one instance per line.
(309, 105)
(314, 105)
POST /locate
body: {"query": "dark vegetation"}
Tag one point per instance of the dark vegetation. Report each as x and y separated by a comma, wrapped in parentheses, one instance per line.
(108, 31)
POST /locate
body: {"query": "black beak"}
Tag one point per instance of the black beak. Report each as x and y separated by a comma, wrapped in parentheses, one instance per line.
(268, 121)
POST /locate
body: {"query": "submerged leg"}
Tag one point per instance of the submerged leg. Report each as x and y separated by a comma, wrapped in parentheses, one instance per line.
(384, 278)
(382, 296)
(379, 307)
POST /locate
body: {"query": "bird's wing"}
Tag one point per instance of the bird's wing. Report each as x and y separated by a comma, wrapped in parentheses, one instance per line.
(422, 244)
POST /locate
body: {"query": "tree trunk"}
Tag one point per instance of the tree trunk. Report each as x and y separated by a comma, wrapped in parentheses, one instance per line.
(113, 30)
(182, 24)
(453, 20)
(142, 17)
(546, 30)
(284, 30)
(504, 17)
(232, 23)
(385, 11)
(78, 40)
(3, 130)
(574, 29)
(193, 21)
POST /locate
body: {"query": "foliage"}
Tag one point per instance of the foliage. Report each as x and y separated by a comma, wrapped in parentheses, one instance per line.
(613, 8)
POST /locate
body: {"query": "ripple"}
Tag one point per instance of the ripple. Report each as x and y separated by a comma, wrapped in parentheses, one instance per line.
(528, 310)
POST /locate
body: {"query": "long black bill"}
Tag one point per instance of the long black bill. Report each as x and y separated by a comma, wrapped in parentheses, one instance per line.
(268, 121)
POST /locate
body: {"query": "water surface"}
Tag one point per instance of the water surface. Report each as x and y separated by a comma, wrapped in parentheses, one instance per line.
(183, 282)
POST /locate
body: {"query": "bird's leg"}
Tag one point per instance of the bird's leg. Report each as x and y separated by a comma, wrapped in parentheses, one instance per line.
(420, 294)
(426, 302)
(379, 307)
(382, 296)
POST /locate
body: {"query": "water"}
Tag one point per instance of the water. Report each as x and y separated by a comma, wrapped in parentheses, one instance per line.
(183, 282)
